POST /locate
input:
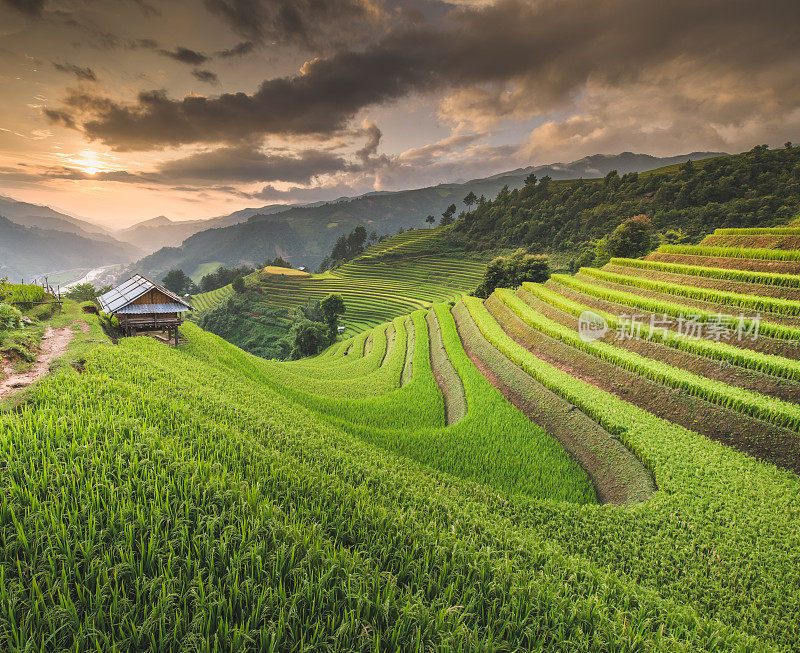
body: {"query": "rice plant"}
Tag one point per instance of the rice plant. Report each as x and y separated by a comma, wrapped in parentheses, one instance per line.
(747, 276)
(754, 324)
(733, 252)
(174, 498)
(747, 301)
(768, 363)
(755, 404)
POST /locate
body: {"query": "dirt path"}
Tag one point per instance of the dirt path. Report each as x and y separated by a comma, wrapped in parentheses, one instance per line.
(54, 344)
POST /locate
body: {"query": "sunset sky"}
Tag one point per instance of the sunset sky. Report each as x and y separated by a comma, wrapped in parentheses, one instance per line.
(121, 110)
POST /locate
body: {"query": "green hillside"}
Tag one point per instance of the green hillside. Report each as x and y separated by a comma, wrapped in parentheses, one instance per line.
(404, 273)
(759, 188)
(467, 477)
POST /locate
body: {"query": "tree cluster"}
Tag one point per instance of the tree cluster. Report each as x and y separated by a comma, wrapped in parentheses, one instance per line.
(315, 326)
(251, 323)
(223, 276)
(756, 188)
(85, 292)
(348, 247)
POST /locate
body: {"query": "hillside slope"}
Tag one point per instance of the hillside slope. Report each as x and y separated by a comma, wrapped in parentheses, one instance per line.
(385, 495)
(44, 217)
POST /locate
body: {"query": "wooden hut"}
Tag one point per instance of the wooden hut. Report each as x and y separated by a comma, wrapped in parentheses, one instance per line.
(141, 305)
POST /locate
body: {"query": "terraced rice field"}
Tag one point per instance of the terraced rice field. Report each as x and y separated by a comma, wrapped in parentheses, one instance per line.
(394, 277)
(208, 300)
(467, 477)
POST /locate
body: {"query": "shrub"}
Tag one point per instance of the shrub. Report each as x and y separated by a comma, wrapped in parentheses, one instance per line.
(511, 271)
(43, 311)
(83, 292)
(10, 317)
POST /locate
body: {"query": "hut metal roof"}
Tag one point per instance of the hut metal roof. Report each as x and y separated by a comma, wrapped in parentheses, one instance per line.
(137, 309)
(129, 291)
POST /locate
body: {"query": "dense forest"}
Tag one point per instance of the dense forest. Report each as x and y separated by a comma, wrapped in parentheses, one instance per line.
(760, 187)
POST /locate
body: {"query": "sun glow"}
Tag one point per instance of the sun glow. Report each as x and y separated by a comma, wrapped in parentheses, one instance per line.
(89, 162)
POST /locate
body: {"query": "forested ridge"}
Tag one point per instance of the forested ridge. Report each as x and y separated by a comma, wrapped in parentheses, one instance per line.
(756, 188)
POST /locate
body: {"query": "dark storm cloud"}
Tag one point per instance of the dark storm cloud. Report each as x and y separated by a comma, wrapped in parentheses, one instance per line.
(245, 164)
(238, 50)
(185, 55)
(206, 76)
(307, 22)
(28, 7)
(548, 51)
(84, 73)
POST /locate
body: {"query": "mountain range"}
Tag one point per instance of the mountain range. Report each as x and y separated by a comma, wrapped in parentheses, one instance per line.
(37, 240)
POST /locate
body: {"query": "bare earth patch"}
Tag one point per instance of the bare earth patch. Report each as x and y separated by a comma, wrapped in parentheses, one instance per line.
(54, 344)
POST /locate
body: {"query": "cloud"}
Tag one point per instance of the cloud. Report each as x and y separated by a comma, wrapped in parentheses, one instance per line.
(374, 135)
(246, 164)
(31, 8)
(185, 55)
(83, 73)
(142, 44)
(270, 193)
(311, 23)
(238, 50)
(510, 60)
(206, 76)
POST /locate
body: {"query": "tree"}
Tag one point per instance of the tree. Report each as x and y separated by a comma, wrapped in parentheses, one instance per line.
(83, 292)
(279, 262)
(470, 199)
(308, 338)
(332, 309)
(511, 271)
(178, 282)
(447, 216)
(631, 239)
(339, 251)
(530, 180)
(356, 241)
(612, 180)
(675, 237)
(788, 145)
(430, 220)
(238, 285)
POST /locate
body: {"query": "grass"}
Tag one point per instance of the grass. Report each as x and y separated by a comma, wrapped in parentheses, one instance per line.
(754, 404)
(212, 299)
(203, 269)
(757, 231)
(393, 278)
